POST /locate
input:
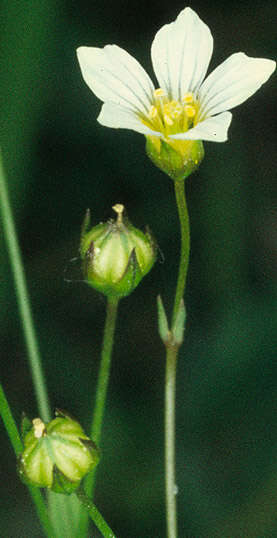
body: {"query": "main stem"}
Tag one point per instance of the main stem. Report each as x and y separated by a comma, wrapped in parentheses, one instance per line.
(23, 299)
(169, 425)
(171, 365)
(101, 395)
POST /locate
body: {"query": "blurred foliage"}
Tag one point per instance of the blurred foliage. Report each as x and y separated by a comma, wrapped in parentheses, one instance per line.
(59, 161)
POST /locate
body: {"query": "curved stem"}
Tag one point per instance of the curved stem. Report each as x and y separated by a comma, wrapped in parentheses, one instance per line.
(171, 365)
(12, 431)
(23, 300)
(101, 394)
(185, 245)
(95, 515)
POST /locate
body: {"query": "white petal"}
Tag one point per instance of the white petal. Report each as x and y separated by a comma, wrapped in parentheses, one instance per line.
(214, 129)
(233, 82)
(181, 52)
(120, 117)
(113, 75)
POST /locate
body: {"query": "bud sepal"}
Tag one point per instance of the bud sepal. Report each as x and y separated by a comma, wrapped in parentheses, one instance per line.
(57, 455)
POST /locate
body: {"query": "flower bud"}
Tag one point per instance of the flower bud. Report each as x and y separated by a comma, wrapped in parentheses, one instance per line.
(177, 158)
(57, 455)
(116, 255)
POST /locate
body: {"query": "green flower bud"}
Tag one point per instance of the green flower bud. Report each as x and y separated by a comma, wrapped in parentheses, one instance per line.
(116, 255)
(177, 158)
(57, 455)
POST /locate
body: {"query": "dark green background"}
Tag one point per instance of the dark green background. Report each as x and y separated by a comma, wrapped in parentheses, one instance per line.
(59, 161)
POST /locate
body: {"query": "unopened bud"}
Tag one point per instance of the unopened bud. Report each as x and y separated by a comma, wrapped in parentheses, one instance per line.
(57, 455)
(116, 255)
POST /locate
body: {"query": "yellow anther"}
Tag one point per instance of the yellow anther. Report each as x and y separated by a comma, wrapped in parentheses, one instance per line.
(168, 119)
(188, 98)
(159, 92)
(171, 116)
(190, 111)
(176, 109)
(153, 112)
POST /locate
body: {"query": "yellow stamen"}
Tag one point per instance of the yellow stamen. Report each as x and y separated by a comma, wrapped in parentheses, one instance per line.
(159, 92)
(190, 111)
(168, 119)
(188, 98)
(171, 116)
(176, 110)
(153, 112)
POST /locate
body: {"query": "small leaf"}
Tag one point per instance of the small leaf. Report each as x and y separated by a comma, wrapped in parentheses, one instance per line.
(162, 321)
(179, 325)
(26, 425)
(85, 225)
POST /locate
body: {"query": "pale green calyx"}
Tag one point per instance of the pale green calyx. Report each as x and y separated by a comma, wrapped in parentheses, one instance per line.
(116, 255)
(57, 455)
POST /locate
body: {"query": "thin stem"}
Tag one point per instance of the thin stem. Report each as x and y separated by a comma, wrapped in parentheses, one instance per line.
(185, 245)
(169, 424)
(27, 320)
(171, 365)
(101, 395)
(104, 372)
(95, 515)
(9, 423)
(16, 442)
(23, 299)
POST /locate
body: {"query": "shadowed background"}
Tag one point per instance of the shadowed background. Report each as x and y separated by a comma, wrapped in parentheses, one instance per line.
(59, 161)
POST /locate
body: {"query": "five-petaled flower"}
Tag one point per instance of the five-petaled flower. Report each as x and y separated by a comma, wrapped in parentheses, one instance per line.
(183, 108)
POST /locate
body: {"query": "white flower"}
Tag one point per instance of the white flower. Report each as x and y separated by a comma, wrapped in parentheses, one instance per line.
(183, 107)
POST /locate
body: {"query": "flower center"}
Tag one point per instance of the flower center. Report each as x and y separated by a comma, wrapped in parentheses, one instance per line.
(171, 117)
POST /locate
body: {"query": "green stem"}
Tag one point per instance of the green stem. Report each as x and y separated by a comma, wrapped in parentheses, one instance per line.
(171, 365)
(26, 317)
(169, 424)
(16, 442)
(9, 423)
(104, 372)
(101, 394)
(185, 245)
(23, 299)
(95, 515)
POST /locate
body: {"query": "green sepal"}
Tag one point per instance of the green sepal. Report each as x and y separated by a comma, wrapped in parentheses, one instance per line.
(64, 414)
(62, 484)
(162, 322)
(26, 425)
(85, 226)
(94, 451)
(178, 159)
(131, 277)
(179, 325)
